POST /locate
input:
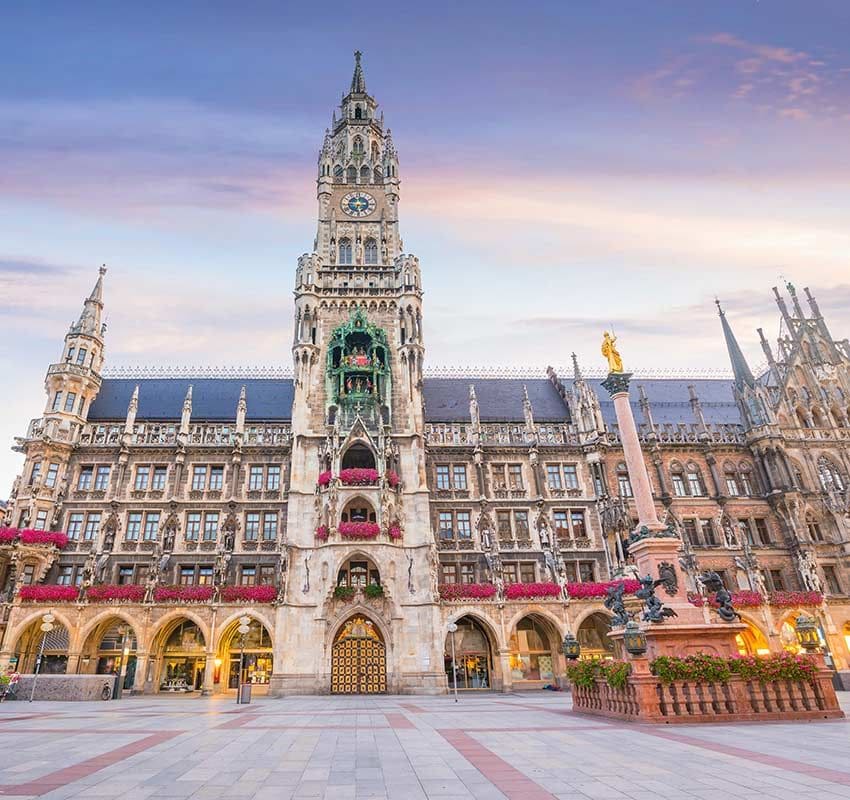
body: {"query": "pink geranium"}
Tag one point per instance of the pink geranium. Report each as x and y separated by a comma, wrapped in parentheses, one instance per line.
(31, 536)
(325, 478)
(470, 591)
(251, 594)
(188, 594)
(130, 593)
(49, 593)
(591, 589)
(394, 532)
(527, 591)
(788, 599)
(8, 535)
(359, 476)
(392, 478)
(322, 533)
(359, 530)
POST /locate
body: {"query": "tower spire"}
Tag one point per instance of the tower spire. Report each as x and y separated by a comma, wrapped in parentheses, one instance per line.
(90, 318)
(740, 368)
(358, 82)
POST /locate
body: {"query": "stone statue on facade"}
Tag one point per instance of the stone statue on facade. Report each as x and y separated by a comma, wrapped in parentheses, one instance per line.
(809, 572)
(714, 583)
(615, 603)
(653, 609)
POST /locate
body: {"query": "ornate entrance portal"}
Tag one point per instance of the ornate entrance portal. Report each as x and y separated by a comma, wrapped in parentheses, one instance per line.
(359, 660)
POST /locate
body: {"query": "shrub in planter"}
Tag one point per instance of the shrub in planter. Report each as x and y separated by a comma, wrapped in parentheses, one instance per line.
(104, 593)
(583, 673)
(781, 667)
(373, 590)
(344, 592)
(699, 667)
(463, 591)
(49, 593)
(616, 673)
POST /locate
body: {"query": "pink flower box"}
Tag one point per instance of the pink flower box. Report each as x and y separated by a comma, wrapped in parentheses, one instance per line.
(745, 598)
(392, 478)
(358, 476)
(49, 593)
(325, 478)
(592, 589)
(32, 536)
(130, 593)
(251, 594)
(788, 599)
(359, 530)
(394, 532)
(527, 591)
(467, 591)
(322, 533)
(188, 594)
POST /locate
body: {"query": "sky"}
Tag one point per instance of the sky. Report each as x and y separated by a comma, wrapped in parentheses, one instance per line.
(566, 167)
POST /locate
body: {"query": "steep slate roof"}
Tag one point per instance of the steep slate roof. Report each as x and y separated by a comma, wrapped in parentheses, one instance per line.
(499, 399)
(214, 399)
(446, 399)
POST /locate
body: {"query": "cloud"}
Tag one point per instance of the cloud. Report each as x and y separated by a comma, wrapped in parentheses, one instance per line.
(14, 267)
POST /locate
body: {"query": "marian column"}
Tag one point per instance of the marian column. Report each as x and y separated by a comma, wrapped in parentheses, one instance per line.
(673, 626)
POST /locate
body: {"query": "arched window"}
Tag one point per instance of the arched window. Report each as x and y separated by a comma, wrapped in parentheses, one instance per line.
(747, 479)
(831, 479)
(365, 174)
(357, 146)
(624, 485)
(678, 478)
(370, 251)
(351, 174)
(378, 176)
(814, 529)
(339, 173)
(81, 356)
(358, 112)
(345, 251)
(695, 482)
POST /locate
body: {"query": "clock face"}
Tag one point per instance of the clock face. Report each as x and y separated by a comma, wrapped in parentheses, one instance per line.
(358, 204)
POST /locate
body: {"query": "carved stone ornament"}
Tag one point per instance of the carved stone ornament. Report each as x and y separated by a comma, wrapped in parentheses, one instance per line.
(617, 382)
(668, 577)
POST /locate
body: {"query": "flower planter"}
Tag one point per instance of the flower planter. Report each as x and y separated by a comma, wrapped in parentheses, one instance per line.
(359, 530)
(32, 536)
(250, 594)
(49, 593)
(590, 589)
(183, 594)
(107, 593)
(532, 591)
(792, 599)
(467, 591)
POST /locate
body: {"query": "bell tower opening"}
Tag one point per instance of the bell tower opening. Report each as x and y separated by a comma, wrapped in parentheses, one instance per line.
(358, 456)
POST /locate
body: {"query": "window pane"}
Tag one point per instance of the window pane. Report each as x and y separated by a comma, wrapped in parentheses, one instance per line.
(459, 476)
(75, 525)
(193, 526)
(142, 476)
(84, 483)
(464, 525)
(442, 476)
(255, 478)
(252, 527)
(270, 526)
(553, 476)
(273, 478)
(159, 476)
(101, 482)
(151, 526)
(571, 476)
(92, 526)
(211, 527)
(446, 527)
(199, 478)
(577, 521)
(216, 477)
(134, 526)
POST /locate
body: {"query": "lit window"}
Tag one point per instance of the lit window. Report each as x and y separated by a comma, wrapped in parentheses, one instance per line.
(205, 576)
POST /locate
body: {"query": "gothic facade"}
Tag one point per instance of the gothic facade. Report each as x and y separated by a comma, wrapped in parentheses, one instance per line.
(359, 510)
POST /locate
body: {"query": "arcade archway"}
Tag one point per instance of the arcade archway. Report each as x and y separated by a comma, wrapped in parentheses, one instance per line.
(752, 642)
(181, 657)
(106, 648)
(257, 657)
(358, 658)
(473, 656)
(593, 637)
(55, 655)
(533, 650)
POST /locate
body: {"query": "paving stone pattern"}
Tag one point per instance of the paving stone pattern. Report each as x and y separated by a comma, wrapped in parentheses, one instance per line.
(521, 746)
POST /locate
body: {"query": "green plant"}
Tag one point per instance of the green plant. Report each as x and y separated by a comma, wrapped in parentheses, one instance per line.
(344, 592)
(782, 667)
(583, 673)
(374, 590)
(616, 673)
(5, 680)
(699, 667)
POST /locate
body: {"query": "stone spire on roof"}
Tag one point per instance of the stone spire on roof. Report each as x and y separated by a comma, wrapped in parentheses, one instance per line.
(358, 82)
(132, 410)
(740, 368)
(90, 318)
(241, 411)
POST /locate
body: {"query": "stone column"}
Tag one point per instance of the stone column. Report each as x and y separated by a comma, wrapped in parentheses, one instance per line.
(209, 673)
(617, 384)
(141, 672)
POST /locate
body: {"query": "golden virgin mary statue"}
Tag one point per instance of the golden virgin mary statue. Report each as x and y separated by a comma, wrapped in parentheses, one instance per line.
(609, 350)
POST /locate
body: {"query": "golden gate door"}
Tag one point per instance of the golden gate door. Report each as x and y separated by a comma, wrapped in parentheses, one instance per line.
(358, 661)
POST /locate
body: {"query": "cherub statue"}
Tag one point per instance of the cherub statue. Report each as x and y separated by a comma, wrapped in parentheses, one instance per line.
(653, 609)
(609, 350)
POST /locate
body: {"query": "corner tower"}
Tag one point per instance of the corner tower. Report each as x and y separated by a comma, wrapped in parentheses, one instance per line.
(358, 512)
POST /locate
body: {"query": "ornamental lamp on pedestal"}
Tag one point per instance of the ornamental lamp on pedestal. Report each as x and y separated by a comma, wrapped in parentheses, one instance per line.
(634, 639)
(571, 647)
(807, 633)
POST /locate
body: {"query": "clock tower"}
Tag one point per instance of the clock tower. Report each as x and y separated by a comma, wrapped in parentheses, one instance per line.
(361, 597)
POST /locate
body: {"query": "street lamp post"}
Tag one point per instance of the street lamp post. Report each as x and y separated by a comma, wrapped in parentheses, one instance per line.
(125, 653)
(452, 631)
(244, 627)
(46, 627)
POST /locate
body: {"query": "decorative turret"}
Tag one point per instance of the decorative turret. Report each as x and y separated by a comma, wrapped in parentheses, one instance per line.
(584, 404)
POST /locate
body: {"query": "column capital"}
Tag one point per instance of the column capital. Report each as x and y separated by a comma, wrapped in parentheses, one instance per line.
(617, 383)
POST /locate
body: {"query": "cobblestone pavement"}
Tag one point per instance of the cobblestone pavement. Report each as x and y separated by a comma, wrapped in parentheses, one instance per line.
(524, 746)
